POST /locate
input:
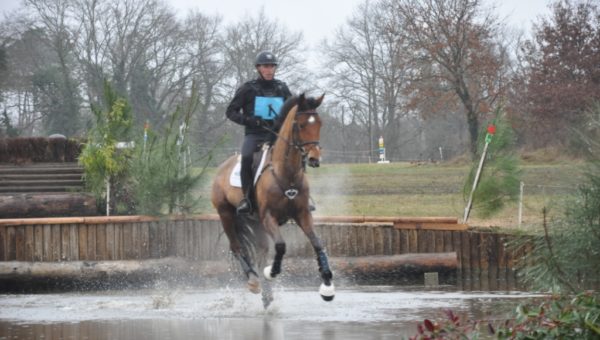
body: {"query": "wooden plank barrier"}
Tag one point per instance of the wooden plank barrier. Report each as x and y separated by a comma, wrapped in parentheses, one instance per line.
(483, 261)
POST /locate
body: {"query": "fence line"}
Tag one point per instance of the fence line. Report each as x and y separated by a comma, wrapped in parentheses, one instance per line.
(484, 261)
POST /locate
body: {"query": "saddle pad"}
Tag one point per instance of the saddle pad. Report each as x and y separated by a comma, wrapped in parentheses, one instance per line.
(235, 179)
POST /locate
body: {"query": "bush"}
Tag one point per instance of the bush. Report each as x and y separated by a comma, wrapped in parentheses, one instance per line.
(162, 176)
(555, 317)
(102, 161)
(152, 177)
(565, 254)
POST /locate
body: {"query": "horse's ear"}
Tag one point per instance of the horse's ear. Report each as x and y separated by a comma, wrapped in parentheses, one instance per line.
(301, 99)
(319, 100)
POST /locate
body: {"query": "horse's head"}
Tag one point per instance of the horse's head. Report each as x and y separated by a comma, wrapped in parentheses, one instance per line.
(307, 129)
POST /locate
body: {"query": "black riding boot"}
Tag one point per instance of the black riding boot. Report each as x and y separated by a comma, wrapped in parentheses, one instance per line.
(245, 206)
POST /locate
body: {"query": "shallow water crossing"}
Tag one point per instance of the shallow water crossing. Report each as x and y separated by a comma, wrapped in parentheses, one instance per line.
(365, 312)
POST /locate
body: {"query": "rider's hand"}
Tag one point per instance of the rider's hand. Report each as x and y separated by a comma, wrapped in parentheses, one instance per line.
(254, 121)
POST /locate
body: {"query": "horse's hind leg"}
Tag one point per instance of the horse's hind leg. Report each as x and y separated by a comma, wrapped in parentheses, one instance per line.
(262, 251)
(229, 222)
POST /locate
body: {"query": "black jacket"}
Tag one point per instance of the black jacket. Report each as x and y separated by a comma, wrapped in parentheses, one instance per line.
(241, 107)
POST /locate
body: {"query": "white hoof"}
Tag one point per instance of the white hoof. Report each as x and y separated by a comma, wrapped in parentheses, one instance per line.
(327, 292)
(267, 273)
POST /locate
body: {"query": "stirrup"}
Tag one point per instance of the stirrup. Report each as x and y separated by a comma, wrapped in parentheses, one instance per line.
(244, 207)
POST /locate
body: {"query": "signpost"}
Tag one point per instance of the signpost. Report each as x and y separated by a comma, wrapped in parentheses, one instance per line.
(382, 159)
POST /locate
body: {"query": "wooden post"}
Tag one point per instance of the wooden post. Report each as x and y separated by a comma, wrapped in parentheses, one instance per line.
(108, 196)
(468, 207)
(521, 203)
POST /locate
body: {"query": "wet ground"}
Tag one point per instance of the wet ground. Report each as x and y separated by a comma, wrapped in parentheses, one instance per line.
(367, 312)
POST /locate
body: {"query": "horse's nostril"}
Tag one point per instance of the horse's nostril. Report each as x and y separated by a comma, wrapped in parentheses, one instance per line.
(313, 162)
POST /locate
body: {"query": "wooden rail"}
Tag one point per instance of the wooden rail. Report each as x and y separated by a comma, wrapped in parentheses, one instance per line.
(484, 262)
(442, 223)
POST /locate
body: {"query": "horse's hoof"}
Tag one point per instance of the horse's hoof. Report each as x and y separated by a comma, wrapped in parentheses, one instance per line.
(253, 284)
(327, 292)
(267, 273)
(266, 300)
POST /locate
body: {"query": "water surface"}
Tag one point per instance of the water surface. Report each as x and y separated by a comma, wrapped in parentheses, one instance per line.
(367, 312)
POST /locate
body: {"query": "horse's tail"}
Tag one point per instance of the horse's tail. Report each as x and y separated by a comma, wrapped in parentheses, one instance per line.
(245, 229)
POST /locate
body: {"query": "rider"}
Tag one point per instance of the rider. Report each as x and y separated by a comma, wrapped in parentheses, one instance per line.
(255, 105)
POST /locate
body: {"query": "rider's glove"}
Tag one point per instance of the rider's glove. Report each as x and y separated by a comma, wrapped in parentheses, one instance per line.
(254, 121)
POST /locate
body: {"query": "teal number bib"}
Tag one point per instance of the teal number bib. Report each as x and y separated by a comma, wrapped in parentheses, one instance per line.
(267, 108)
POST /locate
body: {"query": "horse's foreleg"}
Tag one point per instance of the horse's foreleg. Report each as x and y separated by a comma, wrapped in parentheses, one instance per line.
(327, 289)
(272, 227)
(262, 250)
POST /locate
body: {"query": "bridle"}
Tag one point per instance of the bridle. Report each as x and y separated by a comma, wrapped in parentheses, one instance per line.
(296, 143)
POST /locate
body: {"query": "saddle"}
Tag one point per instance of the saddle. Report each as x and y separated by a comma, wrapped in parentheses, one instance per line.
(258, 161)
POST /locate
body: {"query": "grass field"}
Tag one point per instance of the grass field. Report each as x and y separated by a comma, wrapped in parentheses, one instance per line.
(405, 189)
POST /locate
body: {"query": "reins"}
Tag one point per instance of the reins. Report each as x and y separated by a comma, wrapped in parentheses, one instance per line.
(298, 145)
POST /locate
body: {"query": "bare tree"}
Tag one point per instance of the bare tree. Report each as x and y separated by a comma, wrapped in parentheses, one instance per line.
(57, 85)
(245, 39)
(26, 54)
(130, 42)
(455, 43)
(562, 73)
(367, 63)
(204, 48)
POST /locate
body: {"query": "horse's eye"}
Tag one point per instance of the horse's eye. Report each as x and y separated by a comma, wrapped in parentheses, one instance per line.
(311, 119)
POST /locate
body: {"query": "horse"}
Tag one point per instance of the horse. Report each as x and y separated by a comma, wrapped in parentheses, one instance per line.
(280, 194)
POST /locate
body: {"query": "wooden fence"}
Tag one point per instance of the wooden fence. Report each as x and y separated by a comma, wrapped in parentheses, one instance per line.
(484, 261)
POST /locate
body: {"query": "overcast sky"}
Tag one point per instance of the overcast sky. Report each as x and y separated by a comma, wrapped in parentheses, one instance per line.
(318, 19)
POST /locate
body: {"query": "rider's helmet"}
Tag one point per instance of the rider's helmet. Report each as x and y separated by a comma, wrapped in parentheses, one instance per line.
(265, 58)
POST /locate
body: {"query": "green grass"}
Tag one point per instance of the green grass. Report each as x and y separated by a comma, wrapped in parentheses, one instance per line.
(405, 189)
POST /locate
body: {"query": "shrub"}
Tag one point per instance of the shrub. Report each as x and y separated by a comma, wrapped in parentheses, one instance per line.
(555, 317)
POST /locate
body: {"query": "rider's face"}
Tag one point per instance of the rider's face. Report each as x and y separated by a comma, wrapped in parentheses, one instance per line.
(267, 71)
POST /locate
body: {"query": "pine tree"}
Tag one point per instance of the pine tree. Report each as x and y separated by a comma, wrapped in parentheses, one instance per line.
(102, 161)
(565, 254)
(163, 171)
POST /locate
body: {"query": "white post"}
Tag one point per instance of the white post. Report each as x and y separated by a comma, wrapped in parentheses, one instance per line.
(468, 207)
(521, 203)
(108, 196)
(441, 154)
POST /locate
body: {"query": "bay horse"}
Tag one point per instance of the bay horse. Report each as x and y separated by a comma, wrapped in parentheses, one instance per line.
(281, 193)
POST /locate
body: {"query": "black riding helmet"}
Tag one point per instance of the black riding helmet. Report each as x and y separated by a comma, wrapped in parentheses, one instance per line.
(265, 58)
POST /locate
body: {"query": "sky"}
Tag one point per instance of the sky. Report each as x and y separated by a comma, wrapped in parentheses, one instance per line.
(318, 19)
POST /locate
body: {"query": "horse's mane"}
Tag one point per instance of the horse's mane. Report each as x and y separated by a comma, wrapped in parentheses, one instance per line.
(285, 109)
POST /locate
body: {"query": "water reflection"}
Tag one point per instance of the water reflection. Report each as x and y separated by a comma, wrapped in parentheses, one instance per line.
(207, 329)
(359, 313)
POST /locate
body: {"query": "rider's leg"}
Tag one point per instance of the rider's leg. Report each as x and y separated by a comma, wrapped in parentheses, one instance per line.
(245, 206)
